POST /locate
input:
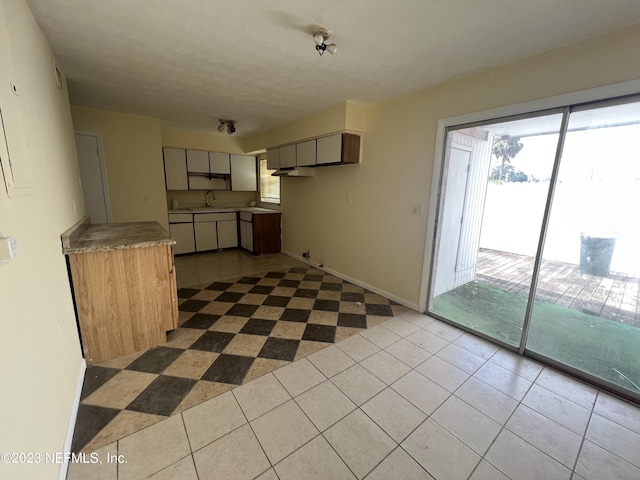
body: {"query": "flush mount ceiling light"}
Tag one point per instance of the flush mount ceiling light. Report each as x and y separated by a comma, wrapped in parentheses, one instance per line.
(229, 124)
(320, 36)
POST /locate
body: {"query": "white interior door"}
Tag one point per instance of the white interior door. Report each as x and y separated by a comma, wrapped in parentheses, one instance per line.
(94, 178)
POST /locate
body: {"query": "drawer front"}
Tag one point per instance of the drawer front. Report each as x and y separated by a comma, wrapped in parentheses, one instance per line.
(180, 218)
(246, 216)
(213, 217)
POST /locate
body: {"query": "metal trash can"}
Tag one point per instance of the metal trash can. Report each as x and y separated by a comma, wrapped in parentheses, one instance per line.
(596, 253)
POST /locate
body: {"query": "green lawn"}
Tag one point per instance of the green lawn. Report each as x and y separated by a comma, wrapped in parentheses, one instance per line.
(596, 346)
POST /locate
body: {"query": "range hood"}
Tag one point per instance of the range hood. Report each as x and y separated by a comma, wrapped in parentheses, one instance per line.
(294, 172)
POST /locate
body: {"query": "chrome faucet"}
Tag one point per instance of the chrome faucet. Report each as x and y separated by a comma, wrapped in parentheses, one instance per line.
(206, 197)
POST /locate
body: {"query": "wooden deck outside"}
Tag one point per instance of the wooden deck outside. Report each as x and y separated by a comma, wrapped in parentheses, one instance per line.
(614, 297)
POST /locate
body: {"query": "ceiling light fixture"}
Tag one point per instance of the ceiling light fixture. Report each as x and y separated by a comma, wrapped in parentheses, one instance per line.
(320, 36)
(229, 124)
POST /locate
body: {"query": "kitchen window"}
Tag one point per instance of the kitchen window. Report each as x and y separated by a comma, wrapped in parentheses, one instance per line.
(269, 186)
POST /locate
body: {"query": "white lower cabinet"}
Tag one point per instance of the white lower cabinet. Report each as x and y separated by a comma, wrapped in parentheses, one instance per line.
(206, 236)
(227, 234)
(246, 235)
(182, 233)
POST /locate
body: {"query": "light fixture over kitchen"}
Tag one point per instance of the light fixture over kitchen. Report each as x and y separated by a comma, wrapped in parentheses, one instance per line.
(320, 36)
(229, 124)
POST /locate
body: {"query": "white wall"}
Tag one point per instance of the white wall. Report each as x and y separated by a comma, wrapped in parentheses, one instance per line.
(39, 345)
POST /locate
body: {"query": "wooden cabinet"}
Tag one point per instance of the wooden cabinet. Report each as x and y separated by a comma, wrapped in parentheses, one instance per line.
(126, 300)
(244, 173)
(260, 232)
(306, 154)
(338, 149)
(175, 169)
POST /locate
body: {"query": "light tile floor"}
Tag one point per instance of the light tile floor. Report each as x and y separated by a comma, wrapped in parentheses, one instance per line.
(411, 398)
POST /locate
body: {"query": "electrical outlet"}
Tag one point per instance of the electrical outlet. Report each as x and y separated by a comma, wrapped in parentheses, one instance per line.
(416, 209)
(348, 198)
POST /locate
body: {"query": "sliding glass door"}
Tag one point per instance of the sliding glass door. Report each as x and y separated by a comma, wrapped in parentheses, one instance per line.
(537, 244)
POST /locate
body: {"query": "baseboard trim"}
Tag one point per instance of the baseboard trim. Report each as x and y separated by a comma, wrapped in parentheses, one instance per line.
(401, 301)
(64, 467)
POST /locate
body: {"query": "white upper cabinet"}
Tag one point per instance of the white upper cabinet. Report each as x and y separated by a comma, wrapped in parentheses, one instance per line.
(219, 163)
(175, 169)
(197, 161)
(306, 153)
(287, 156)
(273, 159)
(329, 149)
(244, 175)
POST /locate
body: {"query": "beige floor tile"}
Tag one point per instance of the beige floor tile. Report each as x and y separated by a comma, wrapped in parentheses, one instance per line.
(206, 295)
(268, 313)
(121, 362)
(328, 295)
(235, 456)
(262, 366)
(309, 285)
(619, 411)
(434, 448)
(443, 373)
(331, 360)
(493, 403)
(268, 475)
(431, 342)
(229, 324)
(183, 337)
(307, 347)
(374, 320)
(421, 391)
(417, 318)
(380, 336)
(400, 327)
(299, 377)
(283, 430)
(212, 419)
(217, 308)
(261, 395)
(301, 303)
(459, 357)
(399, 465)
(350, 287)
(360, 442)
(269, 282)
(399, 310)
(481, 347)
(323, 318)
(385, 366)
(567, 387)
(517, 364)
(283, 291)
(184, 316)
(314, 461)
(408, 352)
(240, 288)
(293, 330)
(253, 299)
(503, 380)
(558, 409)
(469, 425)
(124, 424)
(357, 347)
(518, 459)
(201, 392)
(394, 414)
(96, 471)
(183, 469)
(596, 463)
(358, 384)
(446, 331)
(614, 438)
(246, 345)
(121, 389)
(352, 307)
(342, 333)
(486, 471)
(325, 404)
(191, 364)
(152, 449)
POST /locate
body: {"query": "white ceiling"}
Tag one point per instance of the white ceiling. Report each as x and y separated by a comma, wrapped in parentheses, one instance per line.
(191, 62)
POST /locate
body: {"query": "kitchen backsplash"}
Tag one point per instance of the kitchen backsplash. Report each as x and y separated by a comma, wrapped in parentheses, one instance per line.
(192, 199)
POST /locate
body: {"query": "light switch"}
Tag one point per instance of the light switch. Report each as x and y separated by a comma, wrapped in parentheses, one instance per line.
(416, 209)
(8, 248)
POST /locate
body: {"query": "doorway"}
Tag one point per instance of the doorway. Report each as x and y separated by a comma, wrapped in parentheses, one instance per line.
(93, 175)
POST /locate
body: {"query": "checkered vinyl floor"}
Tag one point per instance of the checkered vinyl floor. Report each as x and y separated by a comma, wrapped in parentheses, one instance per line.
(230, 333)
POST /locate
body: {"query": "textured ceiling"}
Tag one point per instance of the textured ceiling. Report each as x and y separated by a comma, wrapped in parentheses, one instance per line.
(191, 62)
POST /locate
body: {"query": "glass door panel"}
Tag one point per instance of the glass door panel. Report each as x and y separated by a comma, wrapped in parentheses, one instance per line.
(586, 312)
(494, 187)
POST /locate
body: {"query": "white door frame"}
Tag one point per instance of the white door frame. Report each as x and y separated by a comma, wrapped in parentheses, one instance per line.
(591, 95)
(103, 169)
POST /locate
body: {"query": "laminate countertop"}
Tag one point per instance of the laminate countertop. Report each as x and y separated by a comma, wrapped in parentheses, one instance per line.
(84, 237)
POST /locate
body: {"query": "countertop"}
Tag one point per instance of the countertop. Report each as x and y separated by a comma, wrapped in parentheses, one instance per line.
(224, 210)
(86, 238)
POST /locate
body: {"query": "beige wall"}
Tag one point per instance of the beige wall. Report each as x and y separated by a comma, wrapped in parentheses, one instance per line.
(133, 157)
(375, 239)
(39, 346)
